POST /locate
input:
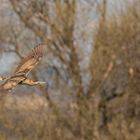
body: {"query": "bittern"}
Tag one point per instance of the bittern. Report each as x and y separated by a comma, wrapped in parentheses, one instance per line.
(23, 69)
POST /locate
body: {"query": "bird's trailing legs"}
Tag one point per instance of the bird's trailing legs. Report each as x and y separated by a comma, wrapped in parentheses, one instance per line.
(32, 83)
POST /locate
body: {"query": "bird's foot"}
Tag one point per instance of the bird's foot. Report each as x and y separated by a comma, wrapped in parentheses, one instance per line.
(40, 83)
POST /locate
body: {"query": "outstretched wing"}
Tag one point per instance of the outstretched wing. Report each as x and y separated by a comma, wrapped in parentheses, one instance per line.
(29, 62)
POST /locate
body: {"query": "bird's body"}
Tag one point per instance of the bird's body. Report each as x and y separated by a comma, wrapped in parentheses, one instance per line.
(21, 72)
(12, 81)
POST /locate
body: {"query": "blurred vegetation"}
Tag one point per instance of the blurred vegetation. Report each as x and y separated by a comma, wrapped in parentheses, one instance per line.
(109, 108)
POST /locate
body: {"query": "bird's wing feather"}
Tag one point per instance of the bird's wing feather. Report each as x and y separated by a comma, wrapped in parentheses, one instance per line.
(29, 62)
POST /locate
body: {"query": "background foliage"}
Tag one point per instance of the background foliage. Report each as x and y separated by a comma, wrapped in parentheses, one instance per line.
(92, 70)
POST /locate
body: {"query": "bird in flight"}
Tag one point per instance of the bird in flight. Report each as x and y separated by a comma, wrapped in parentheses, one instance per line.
(27, 64)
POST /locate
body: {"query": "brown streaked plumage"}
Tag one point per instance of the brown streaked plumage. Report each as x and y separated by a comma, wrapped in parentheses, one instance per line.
(29, 62)
(21, 72)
